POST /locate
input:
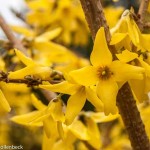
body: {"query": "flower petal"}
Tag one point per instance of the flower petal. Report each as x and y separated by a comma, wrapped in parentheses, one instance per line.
(74, 105)
(37, 103)
(50, 127)
(92, 97)
(85, 76)
(117, 37)
(63, 87)
(4, 103)
(101, 117)
(124, 72)
(107, 92)
(94, 133)
(133, 30)
(39, 71)
(24, 59)
(138, 88)
(57, 110)
(79, 130)
(27, 118)
(126, 56)
(49, 35)
(60, 129)
(100, 54)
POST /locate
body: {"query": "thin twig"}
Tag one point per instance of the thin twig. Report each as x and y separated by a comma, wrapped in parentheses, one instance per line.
(8, 32)
(142, 12)
(125, 101)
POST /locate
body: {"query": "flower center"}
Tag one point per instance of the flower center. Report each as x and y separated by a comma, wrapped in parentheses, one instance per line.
(104, 73)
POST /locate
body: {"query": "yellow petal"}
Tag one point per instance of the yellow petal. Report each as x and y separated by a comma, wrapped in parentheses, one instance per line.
(92, 97)
(79, 130)
(49, 142)
(133, 30)
(3, 102)
(124, 72)
(74, 105)
(147, 85)
(26, 60)
(126, 56)
(107, 91)
(63, 87)
(50, 127)
(49, 35)
(117, 37)
(101, 117)
(145, 41)
(27, 118)
(37, 103)
(100, 54)
(41, 115)
(138, 88)
(94, 133)
(85, 76)
(23, 30)
(37, 70)
(57, 110)
(60, 129)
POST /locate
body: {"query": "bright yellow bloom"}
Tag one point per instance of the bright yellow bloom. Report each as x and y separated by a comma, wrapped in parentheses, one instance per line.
(51, 116)
(105, 73)
(77, 99)
(66, 14)
(126, 31)
(31, 68)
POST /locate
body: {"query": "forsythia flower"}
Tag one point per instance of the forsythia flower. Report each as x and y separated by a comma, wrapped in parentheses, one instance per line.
(31, 68)
(51, 116)
(105, 73)
(126, 31)
(78, 93)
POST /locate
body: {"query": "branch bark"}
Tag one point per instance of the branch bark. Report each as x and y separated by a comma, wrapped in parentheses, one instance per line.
(142, 12)
(125, 101)
(95, 17)
(8, 32)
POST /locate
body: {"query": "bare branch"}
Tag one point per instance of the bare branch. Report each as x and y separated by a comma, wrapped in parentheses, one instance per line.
(142, 12)
(95, 17)
(8, 32)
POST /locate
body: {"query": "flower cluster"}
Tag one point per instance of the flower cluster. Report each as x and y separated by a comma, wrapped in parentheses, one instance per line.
(60, 82)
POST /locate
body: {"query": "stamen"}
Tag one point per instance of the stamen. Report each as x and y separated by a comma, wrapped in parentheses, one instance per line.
(104, 73)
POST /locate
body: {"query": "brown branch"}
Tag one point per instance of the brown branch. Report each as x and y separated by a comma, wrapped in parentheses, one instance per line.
(8, 32)
(95, 17)
(142, 12)
(29, 81)
(146, 25)
(125, 101)
(131, 118)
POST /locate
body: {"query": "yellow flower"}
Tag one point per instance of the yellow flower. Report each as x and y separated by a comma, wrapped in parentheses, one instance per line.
(105, 73)
(77, 99)
(140, 88)
(126, 31)
(31, 68)
(51, 116)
